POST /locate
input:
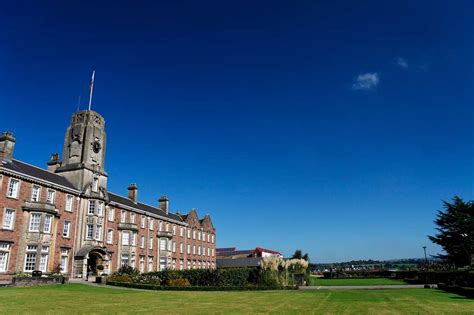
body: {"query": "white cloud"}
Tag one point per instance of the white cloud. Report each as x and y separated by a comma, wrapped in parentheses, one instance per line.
(366, 81)
(401, 62)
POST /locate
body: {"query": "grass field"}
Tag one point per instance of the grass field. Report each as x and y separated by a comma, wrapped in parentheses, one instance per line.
(79, 298)
(361, 281)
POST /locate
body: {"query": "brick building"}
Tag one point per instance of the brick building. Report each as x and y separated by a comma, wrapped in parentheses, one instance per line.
(63, 217)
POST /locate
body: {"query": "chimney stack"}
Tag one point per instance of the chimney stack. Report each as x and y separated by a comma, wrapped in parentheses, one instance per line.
(164, 203)
(7, 145)
(54, 163)
(133, 192)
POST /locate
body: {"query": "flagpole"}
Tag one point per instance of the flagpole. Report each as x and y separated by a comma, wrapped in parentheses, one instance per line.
(91, 89)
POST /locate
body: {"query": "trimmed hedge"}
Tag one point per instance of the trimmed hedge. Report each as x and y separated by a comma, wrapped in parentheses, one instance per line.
(192, 288)
(465, 291)
(235, 277)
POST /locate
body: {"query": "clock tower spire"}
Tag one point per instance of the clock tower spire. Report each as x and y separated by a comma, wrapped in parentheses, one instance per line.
(84, 151)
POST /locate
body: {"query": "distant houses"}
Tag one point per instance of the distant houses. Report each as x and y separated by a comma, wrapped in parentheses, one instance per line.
(230, 257)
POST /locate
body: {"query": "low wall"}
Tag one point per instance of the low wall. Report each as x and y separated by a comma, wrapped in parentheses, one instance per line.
(32, 281)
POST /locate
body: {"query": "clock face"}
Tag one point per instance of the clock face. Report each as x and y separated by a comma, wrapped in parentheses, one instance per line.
(96, 147)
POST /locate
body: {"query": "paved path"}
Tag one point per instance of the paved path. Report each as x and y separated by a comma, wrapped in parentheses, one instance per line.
(366, 287)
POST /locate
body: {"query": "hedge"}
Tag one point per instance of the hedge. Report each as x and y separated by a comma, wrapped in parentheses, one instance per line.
(192, 288)
(465, 291)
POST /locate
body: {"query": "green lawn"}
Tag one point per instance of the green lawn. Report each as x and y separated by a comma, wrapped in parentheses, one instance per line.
(355, 281)
(79, 298)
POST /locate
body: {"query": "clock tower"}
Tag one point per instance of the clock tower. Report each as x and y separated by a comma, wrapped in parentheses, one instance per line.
(84, 153)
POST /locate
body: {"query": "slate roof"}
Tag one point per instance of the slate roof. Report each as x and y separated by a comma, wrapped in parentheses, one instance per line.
(33, 171)
(238, 262)
(234, 252)
(141, 206)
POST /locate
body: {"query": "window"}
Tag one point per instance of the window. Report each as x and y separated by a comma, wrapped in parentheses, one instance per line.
(181, 248)
(35, 193)
(98, 232)
(35, 220)
(4, 252)
(142, 241)
(189, 249)
(174, 229)
(8, 219)
(212, 239)
(125, 238)
(30, 257)
(208, 238)
(194, 234)
(110, 236)
(150, 224)
(123, 216)
(208, 251)
(50, 196)
(132, 261)
(181, 264)
(66, 227)
(181, 231)
(43, 265)
(189, 233)
(143, 222)
(64, 260)
(194, 249)
(199, 250)
(142, 264)
(100, 209)
(160, 227)
(89, 231)
(162, 244)
(69, 200)
(204, 236)
(134, 239)
(167, 227)
(111, 214)
(150, 243)
(124, 260)
(132, 217)
(174, 247)
(91, 207)
(189, 264)
(48, 221)
(150, 263)
(199, 235)
(203, 252)
(212, 252)
(13, 188)
(162, 264)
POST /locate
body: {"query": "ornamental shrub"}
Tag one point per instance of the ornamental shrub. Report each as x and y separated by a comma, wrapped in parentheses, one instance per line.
(180, 282)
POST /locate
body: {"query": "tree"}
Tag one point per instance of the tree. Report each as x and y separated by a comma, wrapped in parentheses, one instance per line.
(455, 232)
(299, 255)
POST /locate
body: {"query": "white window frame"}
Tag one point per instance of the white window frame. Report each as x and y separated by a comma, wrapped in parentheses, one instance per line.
(150, 243)
(132, 217)
(181, 248)
(162, 244)
(5, 252)
(110, 236)
(181, 231)
(13, 188)
(98, 232)
(100, 209)
(35, 197)
(150, 224)
(150, 263)
(124, 260)
(123, 216)
(69, 202)
(37, 223)
(142, 241)
(111, 214)
(125, 240)
(64, 260)
(134, 238)
(8, 219)
(92, 207)
(66, 228)
(142, 221)
(50, 196)
(95, 184)
(189, 249)
(189, 233)
(43, 264)
(173, 247)
(89, 231)
(48, 223)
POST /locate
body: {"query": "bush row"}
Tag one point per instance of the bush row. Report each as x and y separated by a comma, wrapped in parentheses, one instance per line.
(233, 277)
(465, 291)
(192, 288)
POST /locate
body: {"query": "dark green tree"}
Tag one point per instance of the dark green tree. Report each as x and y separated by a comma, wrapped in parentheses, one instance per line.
(299, 255)
(455, 232)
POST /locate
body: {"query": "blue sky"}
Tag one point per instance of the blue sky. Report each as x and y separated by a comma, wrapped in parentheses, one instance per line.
(333, 127)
